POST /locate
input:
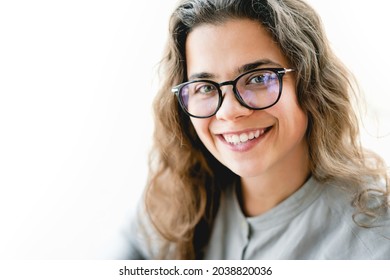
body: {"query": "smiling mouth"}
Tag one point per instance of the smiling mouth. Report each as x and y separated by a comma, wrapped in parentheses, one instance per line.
(244, 137)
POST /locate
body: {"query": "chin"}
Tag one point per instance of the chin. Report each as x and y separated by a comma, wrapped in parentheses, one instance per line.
(247, 171)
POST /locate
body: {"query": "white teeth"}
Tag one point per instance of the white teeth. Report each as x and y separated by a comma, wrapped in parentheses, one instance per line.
(235, 139)
(243, 137)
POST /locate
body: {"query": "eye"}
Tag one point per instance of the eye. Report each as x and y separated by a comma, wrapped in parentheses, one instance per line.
(205, 89)
(260, 79)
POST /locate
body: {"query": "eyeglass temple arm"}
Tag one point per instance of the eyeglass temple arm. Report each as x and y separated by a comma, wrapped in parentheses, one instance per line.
(287, 70)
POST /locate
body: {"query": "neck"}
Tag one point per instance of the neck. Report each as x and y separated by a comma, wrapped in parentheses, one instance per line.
(261, 193)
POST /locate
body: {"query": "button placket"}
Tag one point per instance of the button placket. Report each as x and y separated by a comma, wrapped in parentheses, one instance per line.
(246, 232)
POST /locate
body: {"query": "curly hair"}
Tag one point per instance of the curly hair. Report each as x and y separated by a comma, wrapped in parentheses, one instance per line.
(185, 180)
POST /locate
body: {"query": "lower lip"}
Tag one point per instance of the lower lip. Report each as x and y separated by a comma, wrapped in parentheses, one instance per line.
(244, 147)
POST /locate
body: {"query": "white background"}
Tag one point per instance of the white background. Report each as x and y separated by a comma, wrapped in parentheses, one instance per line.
(77, 79)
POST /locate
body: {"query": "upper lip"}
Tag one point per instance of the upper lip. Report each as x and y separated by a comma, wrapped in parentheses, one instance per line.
(237, 132)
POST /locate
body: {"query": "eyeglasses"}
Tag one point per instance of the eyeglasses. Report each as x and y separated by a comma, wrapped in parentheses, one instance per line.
(256, 90)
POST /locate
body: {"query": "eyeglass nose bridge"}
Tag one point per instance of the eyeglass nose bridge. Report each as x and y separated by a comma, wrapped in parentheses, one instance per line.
(235, 92)
(227, 83)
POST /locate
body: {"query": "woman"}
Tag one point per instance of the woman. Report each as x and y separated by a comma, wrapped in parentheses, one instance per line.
(256, 149)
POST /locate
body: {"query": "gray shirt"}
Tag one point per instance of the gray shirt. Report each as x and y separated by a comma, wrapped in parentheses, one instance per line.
(313, 223)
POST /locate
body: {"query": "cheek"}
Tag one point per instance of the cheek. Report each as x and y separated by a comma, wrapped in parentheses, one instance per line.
(202, 129)
(290, 115)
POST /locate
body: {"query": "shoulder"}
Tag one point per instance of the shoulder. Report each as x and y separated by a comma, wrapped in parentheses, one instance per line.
(143, 242)
(365, 235)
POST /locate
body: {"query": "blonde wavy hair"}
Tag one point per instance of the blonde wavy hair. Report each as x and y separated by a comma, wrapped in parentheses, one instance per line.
(185, 180)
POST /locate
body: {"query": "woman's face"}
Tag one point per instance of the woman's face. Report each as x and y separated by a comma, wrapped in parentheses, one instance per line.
(265, 142)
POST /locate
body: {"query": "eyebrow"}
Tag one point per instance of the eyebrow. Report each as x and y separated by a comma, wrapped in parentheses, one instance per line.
(242, 69)
(257, 64)
(201, 75)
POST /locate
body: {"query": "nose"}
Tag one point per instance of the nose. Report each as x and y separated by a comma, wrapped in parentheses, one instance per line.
(231, 109)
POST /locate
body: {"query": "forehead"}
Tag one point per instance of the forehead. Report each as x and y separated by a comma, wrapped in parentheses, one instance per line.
(221, 49)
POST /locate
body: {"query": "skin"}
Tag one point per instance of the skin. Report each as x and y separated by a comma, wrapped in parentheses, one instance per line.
(277, 164)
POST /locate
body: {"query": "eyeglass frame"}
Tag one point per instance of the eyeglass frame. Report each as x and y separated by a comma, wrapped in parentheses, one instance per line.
(280, 72)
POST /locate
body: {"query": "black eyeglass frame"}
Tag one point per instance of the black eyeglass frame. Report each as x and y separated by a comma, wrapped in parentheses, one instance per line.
(280, 72)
